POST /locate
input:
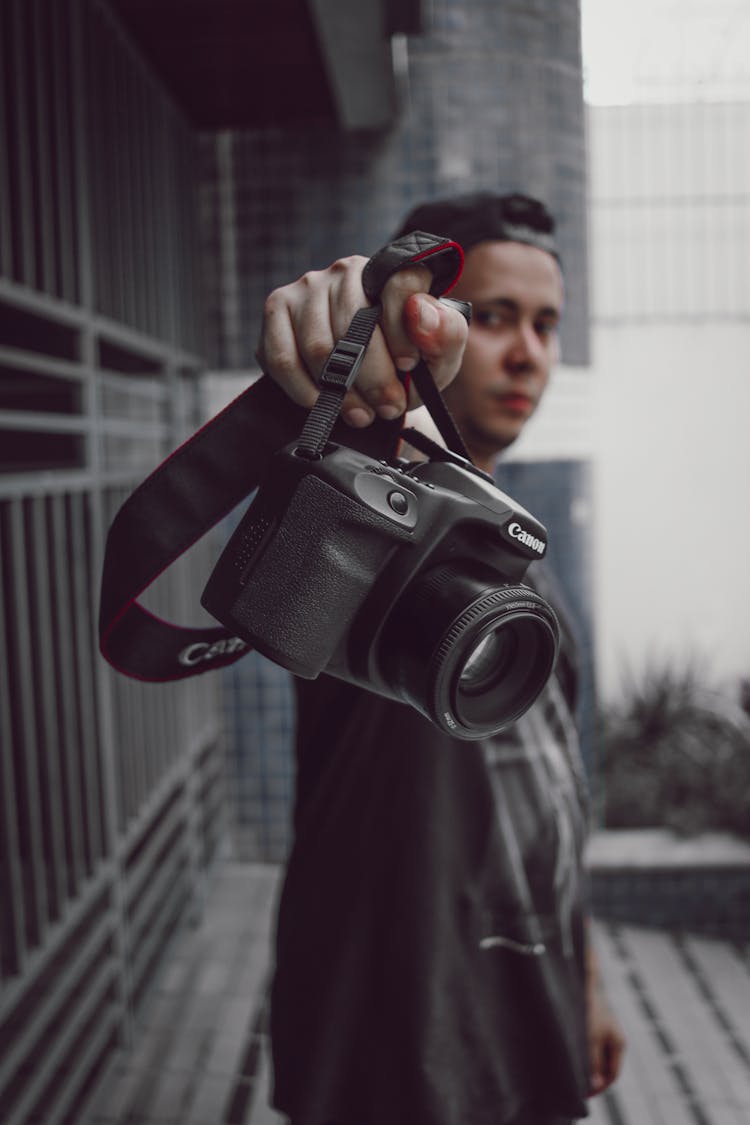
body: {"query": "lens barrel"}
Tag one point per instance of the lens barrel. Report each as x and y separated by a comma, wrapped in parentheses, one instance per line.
(470, 651)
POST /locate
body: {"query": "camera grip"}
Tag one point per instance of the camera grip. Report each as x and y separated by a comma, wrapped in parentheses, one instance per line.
(308, 584)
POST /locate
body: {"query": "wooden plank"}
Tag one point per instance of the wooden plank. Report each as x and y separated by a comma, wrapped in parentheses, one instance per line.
(646, 1088)
(262, 1113)
(193, 1034)
(598, 1114)
(717, 1085)
(727, 976)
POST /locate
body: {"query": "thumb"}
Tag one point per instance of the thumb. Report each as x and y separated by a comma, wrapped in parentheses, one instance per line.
(597, 1081)
(439, 332)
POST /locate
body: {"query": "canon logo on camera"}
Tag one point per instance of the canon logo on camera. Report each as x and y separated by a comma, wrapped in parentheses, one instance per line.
(517, 532)
(201, 651)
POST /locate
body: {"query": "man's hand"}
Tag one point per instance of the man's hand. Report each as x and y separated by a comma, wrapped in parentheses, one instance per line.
(605, 1036)
(302, 322)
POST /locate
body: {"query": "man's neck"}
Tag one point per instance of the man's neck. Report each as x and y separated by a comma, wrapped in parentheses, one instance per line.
(485, 461)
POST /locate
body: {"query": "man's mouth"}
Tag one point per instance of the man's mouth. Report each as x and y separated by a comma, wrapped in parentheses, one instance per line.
(517, 403)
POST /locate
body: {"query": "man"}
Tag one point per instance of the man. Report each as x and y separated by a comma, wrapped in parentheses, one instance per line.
(432, 960)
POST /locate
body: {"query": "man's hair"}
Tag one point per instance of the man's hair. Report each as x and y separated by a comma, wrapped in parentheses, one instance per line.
(484, 216)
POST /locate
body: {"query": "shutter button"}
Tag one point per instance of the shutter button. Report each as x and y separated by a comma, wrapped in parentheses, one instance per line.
(398, 502)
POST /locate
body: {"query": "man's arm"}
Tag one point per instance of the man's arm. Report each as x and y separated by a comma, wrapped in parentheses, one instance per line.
(302, 321)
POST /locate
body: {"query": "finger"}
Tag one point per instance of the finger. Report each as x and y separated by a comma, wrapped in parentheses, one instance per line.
(277, 352)
(299, 327)
(614, 1058)
(403, 350)
(377, 388)
(439, 332)
(596, 1060)
(322, 307)
(326, 303)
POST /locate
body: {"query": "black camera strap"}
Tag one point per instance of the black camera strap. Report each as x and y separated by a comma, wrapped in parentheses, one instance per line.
(336, 378)
(203, 480)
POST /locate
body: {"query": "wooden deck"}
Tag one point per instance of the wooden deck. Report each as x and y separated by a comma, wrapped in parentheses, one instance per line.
(200, 1056)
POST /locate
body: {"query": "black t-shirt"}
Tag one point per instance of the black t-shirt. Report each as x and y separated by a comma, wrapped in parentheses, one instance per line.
(429, 944)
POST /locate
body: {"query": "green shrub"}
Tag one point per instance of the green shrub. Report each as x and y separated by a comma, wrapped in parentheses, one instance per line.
(674, 754)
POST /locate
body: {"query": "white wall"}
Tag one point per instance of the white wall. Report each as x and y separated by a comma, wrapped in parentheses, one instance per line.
(672, 498)
(670, 294)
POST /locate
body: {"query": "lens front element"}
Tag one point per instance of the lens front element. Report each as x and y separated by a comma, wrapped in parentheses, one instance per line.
(500, 677)
(469, 651)
(489, 662)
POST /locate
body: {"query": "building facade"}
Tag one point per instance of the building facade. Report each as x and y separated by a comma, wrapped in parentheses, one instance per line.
(111, 800)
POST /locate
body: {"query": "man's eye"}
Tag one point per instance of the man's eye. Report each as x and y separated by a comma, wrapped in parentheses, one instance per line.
(491, 318)
(546, 328)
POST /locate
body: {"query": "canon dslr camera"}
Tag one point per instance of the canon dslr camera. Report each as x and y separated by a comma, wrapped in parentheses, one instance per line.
(401, 577)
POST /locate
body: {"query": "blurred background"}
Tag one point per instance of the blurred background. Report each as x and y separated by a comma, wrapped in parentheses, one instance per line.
(162, 168)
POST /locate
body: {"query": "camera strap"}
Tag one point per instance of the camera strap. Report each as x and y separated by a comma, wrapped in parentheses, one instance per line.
(220, 465)
(336, 378)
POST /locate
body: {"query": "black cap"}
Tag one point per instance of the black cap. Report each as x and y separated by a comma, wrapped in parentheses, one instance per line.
(485, 216)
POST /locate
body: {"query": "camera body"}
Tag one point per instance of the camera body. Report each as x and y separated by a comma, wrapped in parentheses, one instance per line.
(402, 577)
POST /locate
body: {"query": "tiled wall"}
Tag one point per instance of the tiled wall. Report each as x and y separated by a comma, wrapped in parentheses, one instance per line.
(704, 900)
(259, 715)
(494, 101)
(559, 494)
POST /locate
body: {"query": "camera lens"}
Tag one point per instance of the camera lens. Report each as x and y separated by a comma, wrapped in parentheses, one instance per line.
(469, 650)
(506, 669)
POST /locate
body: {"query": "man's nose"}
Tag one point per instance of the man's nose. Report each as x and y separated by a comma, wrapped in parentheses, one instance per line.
(525, 351)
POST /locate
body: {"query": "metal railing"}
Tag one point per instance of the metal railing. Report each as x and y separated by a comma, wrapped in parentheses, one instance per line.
(110, 791)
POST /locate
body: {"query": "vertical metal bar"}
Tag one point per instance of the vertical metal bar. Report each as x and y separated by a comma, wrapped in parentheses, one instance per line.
(148, 749)
(144, 749)
(140, 245)
(196, 340)
(132, 79)
(106, 696)
(82, 164)
(121, 117)
(48, 721)
(24, 267)
(93, 111)
(35, 875)
(161, 261)
(172, 211)
(148, 214)
(152, 745)
(69, 732)
(128, 748)
(123, 749)
(61, 109)
(84, 686)
(12, 945)
(228, 231)
(6, 235)
(39, 58)
(91, 571)
(113, 174)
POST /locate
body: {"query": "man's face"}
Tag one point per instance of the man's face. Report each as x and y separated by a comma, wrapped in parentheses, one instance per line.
(517, 294)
